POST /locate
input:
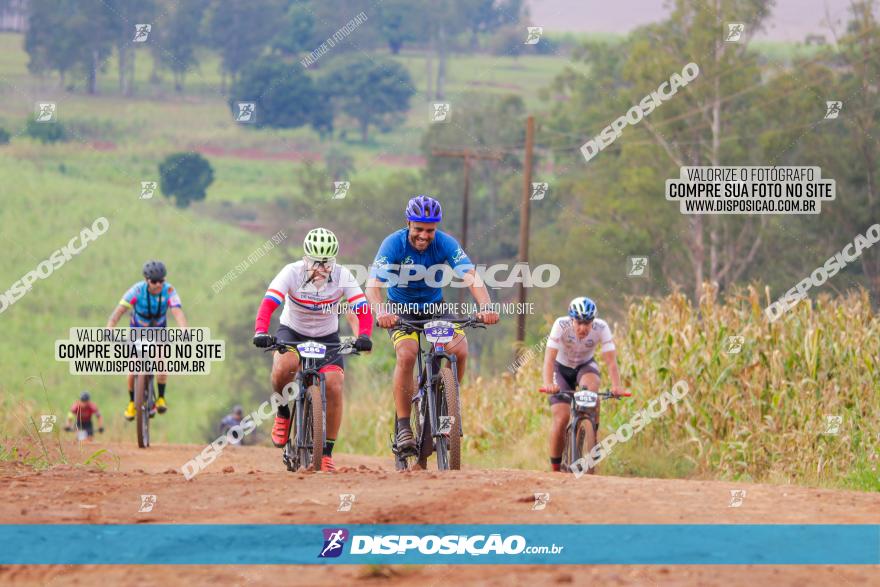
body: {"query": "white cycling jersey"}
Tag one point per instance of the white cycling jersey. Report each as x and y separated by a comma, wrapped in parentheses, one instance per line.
(574, 351)
(312, 308)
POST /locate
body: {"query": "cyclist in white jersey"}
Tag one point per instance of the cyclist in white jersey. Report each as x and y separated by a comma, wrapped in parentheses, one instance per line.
(569, 364)
(312, 290)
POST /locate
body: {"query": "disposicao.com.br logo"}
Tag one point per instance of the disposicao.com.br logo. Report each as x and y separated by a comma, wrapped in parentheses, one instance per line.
(451, 544)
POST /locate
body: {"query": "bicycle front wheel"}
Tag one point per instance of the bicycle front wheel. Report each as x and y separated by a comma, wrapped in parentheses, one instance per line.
(311, 447)
(449, 441)
(586, 440)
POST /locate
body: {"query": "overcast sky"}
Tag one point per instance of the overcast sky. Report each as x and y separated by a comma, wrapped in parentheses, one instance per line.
(791, 20)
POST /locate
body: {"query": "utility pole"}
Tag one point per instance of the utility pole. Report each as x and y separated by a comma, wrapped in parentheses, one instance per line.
(524, 228)
(467, 156)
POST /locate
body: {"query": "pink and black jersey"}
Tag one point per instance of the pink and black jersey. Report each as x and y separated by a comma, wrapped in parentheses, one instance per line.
(312, 307)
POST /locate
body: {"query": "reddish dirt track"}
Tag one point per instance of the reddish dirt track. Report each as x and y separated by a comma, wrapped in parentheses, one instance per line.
(249, 485)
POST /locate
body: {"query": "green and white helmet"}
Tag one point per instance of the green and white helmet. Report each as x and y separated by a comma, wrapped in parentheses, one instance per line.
(320, 244)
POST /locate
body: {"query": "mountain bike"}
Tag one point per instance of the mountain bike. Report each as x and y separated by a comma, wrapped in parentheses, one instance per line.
(304, 448)
(583, 425)
(144, 398)
(436, 409)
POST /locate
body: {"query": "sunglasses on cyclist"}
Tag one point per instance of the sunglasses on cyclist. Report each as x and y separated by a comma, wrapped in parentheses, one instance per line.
(157, 281)
(326, 264)
(584, 322)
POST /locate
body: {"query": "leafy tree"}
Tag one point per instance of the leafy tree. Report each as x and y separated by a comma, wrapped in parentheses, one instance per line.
(374, 92)
(297, 35)
(400, 23)
(46, 132)
(68, 35)
(185, 177)
(284, 94)
(177, 38)
(240, 30)
(702, 125)
(119, 18)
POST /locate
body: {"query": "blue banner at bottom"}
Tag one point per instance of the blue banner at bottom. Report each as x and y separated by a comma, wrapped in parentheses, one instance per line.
(486, 544)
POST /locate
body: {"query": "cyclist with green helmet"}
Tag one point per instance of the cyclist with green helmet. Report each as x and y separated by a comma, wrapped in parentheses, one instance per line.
(311, 291)
(569, 364)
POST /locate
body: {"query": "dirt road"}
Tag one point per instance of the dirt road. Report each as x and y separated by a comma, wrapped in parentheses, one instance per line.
(249, 485)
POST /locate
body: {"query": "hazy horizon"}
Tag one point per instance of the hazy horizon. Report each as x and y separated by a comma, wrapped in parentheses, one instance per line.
(790, 20)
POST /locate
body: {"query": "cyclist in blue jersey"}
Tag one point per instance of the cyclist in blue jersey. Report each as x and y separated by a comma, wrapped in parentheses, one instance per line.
(405, 254)
(149, 301)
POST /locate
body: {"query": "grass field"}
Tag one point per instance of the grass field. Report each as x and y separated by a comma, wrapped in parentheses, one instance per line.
(754, 415)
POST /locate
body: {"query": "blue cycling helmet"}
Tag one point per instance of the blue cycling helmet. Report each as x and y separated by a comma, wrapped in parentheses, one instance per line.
(84, 396)
(423, 208)
(582, 308)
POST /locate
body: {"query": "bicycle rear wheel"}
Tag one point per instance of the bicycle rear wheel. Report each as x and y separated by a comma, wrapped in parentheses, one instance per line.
(142, 396)
(449, 443)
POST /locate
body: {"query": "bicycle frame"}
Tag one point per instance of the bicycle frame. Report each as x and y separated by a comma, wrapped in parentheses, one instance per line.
(298, 449)
(428, 398)
(428, 364)
(307, 374)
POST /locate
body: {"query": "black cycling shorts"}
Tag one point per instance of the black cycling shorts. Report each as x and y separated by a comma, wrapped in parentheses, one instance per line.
(286, 334)
(567, 379)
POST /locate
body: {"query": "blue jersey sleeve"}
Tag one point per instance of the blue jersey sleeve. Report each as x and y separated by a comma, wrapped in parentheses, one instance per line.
(454, 254)
(130, 298)
(389, 253)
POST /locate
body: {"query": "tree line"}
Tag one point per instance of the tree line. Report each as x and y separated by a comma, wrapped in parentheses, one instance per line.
(76, 37)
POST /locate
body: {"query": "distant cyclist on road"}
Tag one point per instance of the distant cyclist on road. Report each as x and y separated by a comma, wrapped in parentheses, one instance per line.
(420, 244)
(149, 301)
(83, 410)
(569, 363)
(311, 291)
(231, 420)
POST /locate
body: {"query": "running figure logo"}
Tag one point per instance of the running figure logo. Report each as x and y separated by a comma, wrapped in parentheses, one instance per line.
(734, 344)
(47, 422)
(539, 190)
(246, 112)
(147, 189)
(541, 501)
(346, 500)
(737, 496)
(147, 503)
(734, 32)
(832, 424)
(341, 189)
(439, 112)
(45, 111)
(832, 109)
(534, 35)
(638, 266)
(141, 32)
(334, 540)
(445, 424)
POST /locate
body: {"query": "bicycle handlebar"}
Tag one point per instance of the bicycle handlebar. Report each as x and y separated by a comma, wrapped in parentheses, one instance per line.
(603, 394)
(419, 324)
(343, 347)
